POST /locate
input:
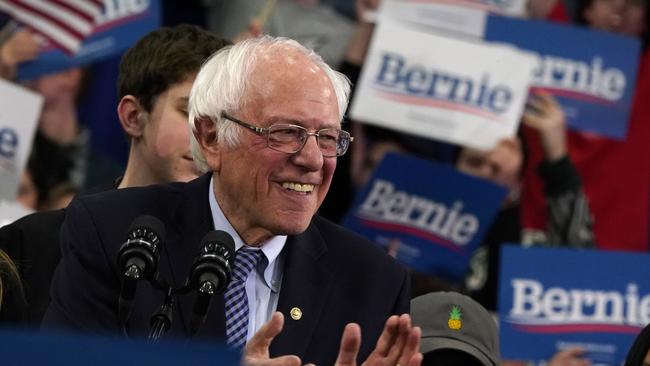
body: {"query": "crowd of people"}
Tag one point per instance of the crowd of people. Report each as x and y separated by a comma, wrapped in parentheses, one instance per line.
(309, 291)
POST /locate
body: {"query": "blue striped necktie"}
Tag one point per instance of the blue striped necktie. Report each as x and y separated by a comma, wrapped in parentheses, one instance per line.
(235, 297)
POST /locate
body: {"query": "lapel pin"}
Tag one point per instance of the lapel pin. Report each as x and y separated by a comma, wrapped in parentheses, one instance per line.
(295, 313)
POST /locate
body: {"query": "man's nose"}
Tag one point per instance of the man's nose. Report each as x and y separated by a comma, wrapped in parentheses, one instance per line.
(310, 156)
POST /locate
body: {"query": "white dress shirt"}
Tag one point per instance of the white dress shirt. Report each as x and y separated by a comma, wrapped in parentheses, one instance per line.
(263, 283)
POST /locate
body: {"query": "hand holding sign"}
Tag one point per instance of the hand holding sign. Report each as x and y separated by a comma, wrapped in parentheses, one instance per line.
(544, 114)
(21, 46)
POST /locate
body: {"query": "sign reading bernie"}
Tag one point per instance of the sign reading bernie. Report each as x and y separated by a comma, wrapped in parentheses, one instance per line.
(459, 16)
(430, 216)
(120, 25)
(552, 299)
(591, 73)
(452, 90)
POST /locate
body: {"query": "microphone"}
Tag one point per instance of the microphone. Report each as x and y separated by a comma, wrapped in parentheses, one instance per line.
(138, 258)
(210, 273)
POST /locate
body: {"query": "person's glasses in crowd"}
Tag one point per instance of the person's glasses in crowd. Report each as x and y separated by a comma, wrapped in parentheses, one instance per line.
(290, 139)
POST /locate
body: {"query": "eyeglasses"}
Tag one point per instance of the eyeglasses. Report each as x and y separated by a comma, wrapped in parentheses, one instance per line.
(290, 139)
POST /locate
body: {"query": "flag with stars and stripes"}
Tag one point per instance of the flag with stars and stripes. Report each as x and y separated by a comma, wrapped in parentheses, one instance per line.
(65, 23)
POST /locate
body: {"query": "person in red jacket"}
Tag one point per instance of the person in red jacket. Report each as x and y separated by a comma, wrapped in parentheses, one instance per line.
(615, 174)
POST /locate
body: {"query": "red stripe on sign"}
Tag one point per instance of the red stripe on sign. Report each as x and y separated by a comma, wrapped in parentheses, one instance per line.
(409, 99)
(575, 95)
(412, 231)
(579, 328)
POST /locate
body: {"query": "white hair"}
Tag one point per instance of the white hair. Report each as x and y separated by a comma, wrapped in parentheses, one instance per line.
(223, 80)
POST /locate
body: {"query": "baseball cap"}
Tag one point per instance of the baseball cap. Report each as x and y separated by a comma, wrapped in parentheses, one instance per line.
(450, 320)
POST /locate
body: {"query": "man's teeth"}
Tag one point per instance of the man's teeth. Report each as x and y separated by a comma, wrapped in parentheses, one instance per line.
(298, 187)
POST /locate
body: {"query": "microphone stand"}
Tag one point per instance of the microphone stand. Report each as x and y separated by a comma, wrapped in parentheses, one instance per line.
(161, 320)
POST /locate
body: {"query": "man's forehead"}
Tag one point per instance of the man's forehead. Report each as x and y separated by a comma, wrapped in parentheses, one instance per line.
(285, 61)
(292, 75)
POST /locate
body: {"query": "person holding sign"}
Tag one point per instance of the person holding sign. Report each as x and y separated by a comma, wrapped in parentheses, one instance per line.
(620, 210)
(570, 221)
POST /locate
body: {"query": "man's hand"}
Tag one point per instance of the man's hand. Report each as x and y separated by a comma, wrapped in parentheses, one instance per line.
(398, 344)
(256, 352)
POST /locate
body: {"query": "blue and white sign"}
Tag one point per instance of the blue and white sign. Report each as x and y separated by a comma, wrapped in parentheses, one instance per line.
(462, 92)
(509, 7)
(552, 299)
(121, 24)
(460, 16)
(591, 73)
(430, 215)
(20, 109)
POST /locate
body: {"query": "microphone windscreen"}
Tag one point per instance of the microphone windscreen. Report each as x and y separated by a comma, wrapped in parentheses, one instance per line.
(219, 237)
(151, 224)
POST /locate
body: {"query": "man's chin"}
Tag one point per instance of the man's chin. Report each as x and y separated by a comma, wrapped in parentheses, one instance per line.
(291, 226)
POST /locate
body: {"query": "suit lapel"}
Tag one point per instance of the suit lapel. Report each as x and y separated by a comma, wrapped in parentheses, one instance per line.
(193, 219)
(306, 283)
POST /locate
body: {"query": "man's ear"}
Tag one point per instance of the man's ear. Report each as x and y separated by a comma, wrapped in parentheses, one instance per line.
(130, 113)
(206, 136)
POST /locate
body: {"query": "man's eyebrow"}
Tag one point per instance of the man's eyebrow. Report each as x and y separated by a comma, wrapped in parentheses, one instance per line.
(292, 121)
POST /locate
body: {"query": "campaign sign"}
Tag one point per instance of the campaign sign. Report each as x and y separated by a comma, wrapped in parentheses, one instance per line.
(19, 112)
(430, 215)
(458, 91)
(459, 16)
(551, 299)
(591, 73)
(121, 24)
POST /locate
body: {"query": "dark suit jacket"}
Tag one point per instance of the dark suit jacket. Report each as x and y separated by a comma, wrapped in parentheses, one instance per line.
(332, 275)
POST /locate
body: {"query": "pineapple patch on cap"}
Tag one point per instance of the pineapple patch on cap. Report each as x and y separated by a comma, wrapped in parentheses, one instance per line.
(454, 321)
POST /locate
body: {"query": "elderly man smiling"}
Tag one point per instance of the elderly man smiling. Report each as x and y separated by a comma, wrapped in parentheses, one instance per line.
(266, 115)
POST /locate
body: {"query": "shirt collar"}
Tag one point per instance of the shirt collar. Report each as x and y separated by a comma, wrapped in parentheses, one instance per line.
(271, 248)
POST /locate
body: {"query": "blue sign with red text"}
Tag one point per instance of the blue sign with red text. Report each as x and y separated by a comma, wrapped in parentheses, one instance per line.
(591, 73)
(551, 299)
(430, 216)
(120, 26)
